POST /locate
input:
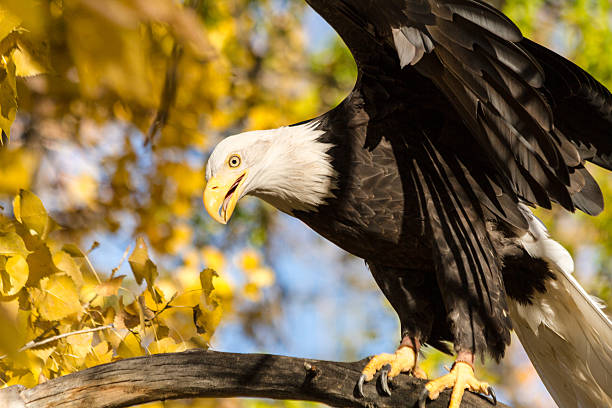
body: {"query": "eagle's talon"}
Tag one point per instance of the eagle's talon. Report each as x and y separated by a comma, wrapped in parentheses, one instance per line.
(384, 379)
(423, 397)
(390, 365)
(491, 393)
(460, 379)
(360, 393)
(418, 372)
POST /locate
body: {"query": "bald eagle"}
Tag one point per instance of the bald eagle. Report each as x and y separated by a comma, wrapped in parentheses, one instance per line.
(456, 126)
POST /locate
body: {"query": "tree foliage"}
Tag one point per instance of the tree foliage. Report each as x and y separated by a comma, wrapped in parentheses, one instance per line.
(60, 315)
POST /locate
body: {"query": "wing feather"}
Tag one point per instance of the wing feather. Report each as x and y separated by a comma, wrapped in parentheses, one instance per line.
(513, 95)
(468, 272)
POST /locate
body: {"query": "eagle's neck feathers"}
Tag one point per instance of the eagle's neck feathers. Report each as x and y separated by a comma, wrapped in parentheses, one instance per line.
(296, 171)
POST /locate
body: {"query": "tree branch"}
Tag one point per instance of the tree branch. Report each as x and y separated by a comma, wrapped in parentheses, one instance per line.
(200, 373)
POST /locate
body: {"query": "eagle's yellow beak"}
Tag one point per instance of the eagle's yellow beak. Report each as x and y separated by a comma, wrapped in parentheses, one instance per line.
(221, 195)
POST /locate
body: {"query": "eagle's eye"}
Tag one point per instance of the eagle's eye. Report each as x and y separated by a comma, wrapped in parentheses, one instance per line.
(233, 161)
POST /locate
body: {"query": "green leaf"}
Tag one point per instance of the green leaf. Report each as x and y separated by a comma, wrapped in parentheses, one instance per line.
(12, 244)
(141, 264)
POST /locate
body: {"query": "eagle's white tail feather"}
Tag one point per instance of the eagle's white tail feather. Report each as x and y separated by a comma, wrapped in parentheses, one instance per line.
(566, 335)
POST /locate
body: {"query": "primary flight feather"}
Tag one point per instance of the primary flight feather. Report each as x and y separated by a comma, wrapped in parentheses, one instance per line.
(456, 125)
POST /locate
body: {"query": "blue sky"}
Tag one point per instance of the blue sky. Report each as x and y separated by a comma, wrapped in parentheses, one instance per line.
(318, 31)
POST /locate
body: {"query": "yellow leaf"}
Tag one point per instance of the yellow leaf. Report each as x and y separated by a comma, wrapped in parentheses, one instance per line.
(224, 289)
(206, 321)
(130, 347)
(125, 320)
(197, 342)
(165, 345)
(167, 288)
(42, 353)
(100, 354)
(80, 344)
(28, 380)
(142, 266)
(8, 96)
(60, 298)
(11, 338)
(40, 261)
(67, 264)
(30, 12)
(73, 250)
(145, 312)
(16, 169)
(29, 210)
(111, 286)
(30, 57)
(10, 307)
(12, 244)
(206, 280)
(154, 298)
(14, 275)
(8, 22)
(96, 55)
(207, 314)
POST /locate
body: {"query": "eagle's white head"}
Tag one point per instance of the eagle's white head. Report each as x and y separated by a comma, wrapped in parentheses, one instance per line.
(288, 167)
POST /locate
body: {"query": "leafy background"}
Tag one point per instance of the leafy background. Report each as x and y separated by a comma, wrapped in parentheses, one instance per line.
(108, 111)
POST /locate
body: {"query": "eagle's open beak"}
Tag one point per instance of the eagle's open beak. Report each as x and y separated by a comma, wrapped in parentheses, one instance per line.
(221, 195)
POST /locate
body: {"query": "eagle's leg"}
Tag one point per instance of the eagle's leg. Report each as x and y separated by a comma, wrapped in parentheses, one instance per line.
(460, 378)
(403, 360)
(410, 293)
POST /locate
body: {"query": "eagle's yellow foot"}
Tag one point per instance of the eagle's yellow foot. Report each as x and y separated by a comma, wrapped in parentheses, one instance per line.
(460, 378)
(390, 365)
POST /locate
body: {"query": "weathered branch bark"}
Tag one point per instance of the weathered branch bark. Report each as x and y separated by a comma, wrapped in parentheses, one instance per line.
(198, 373)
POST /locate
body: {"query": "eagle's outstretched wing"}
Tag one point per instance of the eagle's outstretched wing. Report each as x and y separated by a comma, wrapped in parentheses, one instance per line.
(535, 116)
(523, 121)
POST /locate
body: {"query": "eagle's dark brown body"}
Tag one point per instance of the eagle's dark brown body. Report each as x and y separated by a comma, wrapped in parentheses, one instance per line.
(377, 214)
(405, 171)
